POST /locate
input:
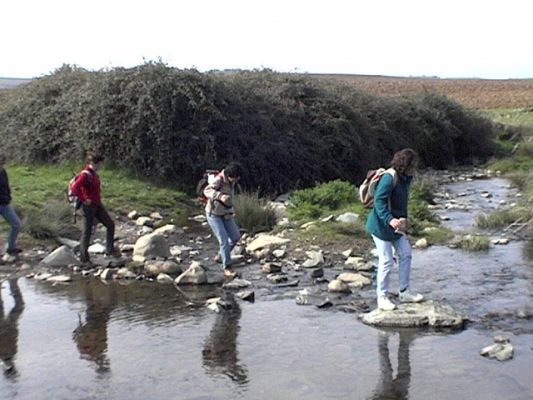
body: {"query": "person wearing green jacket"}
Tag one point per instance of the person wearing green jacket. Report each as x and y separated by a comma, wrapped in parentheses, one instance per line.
(387, 222)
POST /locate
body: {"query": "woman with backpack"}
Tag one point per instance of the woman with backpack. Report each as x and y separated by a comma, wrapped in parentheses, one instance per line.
(221, 214)
(7, 211)
(387, 223)
(87, 188)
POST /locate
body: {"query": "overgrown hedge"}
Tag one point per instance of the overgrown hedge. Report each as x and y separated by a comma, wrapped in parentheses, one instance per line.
(289, 131)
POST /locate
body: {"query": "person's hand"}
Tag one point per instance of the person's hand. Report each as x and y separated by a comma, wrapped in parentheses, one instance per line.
(398, 224)
(87, 202)
(224, 198)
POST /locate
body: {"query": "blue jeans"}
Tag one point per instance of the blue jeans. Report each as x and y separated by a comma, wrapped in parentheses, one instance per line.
(12, 219)
(227, 234)
(386, 262)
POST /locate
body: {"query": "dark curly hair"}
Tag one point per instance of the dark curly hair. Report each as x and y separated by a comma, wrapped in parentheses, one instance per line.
(404, 159)
(233, 170)
(93, 157)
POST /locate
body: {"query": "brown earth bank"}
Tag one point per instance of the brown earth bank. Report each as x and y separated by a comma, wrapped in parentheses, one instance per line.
(472, 93)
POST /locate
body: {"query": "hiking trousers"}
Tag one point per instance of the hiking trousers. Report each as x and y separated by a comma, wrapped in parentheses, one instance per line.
(386, 262)
(227, 234)
(13, 220)
(90, 216)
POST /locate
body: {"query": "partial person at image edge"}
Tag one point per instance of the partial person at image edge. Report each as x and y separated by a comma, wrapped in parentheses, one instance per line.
(7, 211)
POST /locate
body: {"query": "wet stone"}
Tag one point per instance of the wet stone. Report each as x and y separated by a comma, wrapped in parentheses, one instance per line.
(428, 313)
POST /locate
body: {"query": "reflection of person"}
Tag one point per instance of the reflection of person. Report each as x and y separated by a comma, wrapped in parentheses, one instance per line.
(221, 214)
(7, 211)
(87, 188)
(386, 222)
(91, 336)
(220, 349)
(389, 387)
(9, 329)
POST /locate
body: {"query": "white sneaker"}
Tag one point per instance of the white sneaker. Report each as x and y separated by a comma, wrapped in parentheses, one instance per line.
(407, 297)
(385, 304)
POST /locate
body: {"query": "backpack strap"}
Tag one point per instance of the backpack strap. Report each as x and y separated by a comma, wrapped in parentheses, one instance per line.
(394, 174)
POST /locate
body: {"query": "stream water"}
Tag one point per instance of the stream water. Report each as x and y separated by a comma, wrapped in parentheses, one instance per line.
(92, 340)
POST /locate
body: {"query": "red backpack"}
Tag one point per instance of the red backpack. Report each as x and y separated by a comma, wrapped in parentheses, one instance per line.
(72, 196)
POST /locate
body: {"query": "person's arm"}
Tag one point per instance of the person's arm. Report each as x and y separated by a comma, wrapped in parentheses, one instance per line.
(212, 191)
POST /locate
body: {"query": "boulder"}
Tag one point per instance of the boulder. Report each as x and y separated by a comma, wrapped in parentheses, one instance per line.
(168, 229)
(427, 313)
(156, 267)
(151, 246)
(348, 218)
(354, 280)
(337, 285)
(60, 257)
(263, 240)
(194, 275)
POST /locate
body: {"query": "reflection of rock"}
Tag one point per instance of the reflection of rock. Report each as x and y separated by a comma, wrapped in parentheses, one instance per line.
(427, 313)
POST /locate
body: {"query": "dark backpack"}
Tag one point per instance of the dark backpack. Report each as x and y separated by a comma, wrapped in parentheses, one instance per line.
(72, 196)
(207, 179)
(368, 187)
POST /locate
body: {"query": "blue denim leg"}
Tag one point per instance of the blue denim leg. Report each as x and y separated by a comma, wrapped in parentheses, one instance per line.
(385, 263)
(404, 252)
(12, 219)
(227, 234)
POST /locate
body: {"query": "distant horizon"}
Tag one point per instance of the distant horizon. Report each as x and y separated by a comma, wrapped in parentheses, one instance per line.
(285, 72)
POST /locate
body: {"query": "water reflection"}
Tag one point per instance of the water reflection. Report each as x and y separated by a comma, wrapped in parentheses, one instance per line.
(528, 251)
(390, 387)
(9, 329)
(91, 334)
(220, 355)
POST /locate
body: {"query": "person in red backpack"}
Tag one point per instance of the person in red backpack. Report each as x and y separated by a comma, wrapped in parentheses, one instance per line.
(221, 214)
(87, 188)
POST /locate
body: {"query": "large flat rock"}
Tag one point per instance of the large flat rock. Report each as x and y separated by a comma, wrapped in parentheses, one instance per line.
(427, 313)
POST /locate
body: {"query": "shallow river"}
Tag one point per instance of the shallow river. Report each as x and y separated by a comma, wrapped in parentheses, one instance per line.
(90, 340)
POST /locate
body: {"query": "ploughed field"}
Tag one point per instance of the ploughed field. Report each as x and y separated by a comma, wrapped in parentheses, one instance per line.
(472, 93)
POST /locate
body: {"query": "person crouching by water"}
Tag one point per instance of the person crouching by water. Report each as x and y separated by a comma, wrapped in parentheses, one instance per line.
(221, 214)
(7, 211)
(87, 187)
(387, 222)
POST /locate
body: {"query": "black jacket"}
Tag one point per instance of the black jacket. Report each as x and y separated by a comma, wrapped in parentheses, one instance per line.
(5, 191)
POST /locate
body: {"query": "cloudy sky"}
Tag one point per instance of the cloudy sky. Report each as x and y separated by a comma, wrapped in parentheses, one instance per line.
(450, 39)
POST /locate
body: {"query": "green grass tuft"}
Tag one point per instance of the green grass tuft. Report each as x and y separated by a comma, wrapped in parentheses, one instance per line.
(253, 213)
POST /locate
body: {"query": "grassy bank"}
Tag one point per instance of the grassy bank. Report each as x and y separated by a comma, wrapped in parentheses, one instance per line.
(516, 146)
(35, 186)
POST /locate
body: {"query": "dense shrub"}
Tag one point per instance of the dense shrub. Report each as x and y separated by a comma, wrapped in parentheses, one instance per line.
(313, 202)
(290, 131)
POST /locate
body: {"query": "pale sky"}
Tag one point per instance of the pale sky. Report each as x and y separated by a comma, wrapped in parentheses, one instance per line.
(451, 39)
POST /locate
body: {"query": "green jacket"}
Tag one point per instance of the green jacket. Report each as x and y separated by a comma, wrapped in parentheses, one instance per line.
(378, 220)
